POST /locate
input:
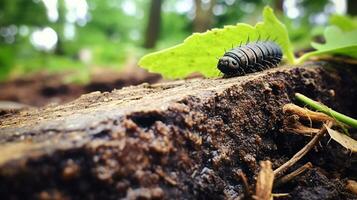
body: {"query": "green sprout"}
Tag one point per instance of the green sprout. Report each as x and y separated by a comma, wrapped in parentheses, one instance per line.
(328, 111)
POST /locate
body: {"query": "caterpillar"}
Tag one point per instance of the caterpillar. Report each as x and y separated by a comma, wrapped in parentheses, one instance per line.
(249, 58)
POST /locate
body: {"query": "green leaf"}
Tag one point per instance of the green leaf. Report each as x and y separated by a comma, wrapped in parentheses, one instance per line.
(199, 52)
(345, 23)
(337, 42)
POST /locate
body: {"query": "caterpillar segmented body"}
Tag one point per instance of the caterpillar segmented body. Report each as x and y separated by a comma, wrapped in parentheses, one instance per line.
(249, 58)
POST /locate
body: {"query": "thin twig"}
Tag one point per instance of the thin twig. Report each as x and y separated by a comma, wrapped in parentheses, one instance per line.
(302, 152)
(292, 175)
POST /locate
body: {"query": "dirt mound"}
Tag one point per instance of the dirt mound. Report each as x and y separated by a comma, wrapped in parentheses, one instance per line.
(184, 139)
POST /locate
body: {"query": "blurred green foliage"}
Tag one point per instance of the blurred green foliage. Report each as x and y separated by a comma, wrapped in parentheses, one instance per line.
(337, 43)
(345, 23)
(111, 31)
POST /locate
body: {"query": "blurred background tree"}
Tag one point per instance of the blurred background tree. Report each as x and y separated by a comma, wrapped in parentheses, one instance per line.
(81, 35)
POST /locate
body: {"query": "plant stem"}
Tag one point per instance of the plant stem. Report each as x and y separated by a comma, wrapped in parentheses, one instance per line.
(328, 111)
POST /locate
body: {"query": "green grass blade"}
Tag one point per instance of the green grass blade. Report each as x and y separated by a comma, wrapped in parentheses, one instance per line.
(328, 111)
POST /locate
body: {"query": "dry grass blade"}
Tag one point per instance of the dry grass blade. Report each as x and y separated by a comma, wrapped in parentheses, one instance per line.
(342, 139)
(264, 182)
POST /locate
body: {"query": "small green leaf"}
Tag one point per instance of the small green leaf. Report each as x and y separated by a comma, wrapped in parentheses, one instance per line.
(345, 23)
(337, 42)
(199, 52)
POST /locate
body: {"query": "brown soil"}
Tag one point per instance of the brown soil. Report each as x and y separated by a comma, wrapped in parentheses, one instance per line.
(178, 140)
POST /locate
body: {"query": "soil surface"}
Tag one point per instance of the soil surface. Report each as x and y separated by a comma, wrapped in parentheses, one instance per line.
(179, 140)
(43, 88)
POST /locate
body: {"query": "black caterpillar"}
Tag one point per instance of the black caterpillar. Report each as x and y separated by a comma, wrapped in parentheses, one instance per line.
(249, 58)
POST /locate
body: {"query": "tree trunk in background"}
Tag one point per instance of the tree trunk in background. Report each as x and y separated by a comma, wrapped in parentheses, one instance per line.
(204, 16)
(153, 26)
(279, 4)
(352, 7)
(59, 28)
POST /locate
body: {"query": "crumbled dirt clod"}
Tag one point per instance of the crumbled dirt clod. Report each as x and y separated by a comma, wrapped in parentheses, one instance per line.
(178, 140)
